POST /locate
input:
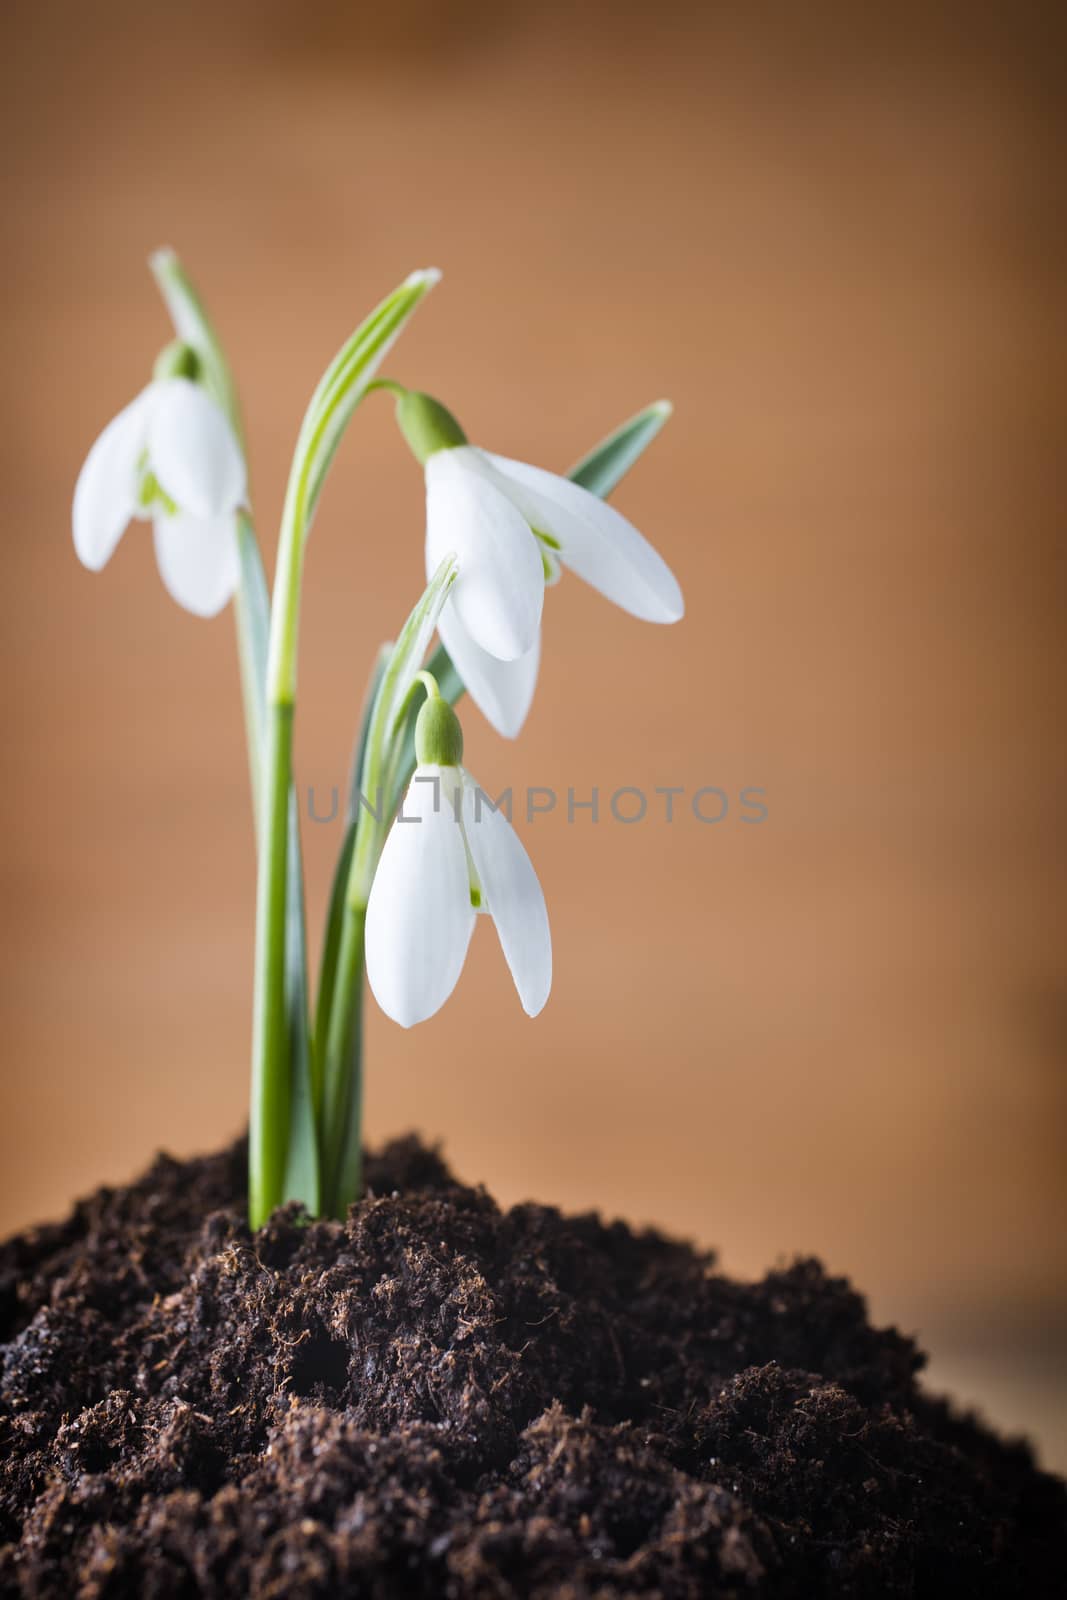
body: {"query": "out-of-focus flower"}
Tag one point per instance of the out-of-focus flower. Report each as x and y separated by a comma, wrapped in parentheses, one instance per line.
(170, 458)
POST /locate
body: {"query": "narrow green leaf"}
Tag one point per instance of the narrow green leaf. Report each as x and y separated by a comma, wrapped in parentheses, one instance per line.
(272, 1088)
(252, 612)
(406, 659)
(366, 717)
(340, 390)
(385, 747)
(331, 944)
(354, 367)
(342, 1155)
(302, 1173)
(613, 457)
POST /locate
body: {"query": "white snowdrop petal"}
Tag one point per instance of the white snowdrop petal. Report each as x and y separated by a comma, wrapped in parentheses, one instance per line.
(500, 589)
(198, 560)
(595, 541)
(194, 451)
(502, 690)
(419, 916)
(105, 495)
(513, 897)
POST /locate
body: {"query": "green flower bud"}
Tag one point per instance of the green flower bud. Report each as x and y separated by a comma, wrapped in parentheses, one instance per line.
(427, 425)
(177, 360)
(438, 735)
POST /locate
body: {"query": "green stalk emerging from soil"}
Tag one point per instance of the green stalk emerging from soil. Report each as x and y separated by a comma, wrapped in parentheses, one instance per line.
(331, 408)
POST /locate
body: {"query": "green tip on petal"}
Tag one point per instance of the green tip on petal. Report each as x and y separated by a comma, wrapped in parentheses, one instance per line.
(438, 735)
(427, 425)
(177, 360)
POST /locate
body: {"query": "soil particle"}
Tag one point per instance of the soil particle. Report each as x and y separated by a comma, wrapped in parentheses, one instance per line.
(440, 1399)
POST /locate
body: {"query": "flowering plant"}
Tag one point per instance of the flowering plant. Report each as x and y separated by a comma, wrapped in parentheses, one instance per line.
(424, 852)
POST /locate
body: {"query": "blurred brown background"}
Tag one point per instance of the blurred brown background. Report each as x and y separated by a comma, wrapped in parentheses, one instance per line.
(834, 242)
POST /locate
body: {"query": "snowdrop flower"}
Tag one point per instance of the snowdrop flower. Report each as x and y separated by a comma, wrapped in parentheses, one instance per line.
(513, 527)
(449, 856)
(171, 458)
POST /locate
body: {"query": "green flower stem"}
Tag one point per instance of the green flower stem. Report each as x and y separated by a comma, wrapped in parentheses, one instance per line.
(331, 944)
(271, 1087)
(195, 329)
(342, 387)
(343, 1086)
(451, 688)
(251, 607)
(340, 1014)
(331, 949)
(429, 683)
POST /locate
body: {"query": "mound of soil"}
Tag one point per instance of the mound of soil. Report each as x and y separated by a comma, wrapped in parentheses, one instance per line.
(441, 1399)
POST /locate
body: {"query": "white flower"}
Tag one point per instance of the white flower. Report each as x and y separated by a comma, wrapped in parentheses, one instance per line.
(435, 874)
(512, 526)
(170, 457)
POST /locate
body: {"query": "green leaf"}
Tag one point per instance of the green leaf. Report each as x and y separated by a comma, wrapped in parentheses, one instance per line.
(303, 1180)
(342, 1145)
(348, 376)
(612, 458)
(340, 390)
(252, 612)
(331, 943)
(406, 659)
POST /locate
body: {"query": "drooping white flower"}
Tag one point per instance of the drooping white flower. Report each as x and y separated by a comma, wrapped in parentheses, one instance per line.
(450, 855)
(170, 457)
(513, 527)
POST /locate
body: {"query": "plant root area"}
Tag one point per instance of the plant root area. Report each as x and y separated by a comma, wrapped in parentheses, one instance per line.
(443, 1399)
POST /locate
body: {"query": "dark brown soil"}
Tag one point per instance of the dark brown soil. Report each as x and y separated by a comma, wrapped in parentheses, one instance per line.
(440, 1399)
